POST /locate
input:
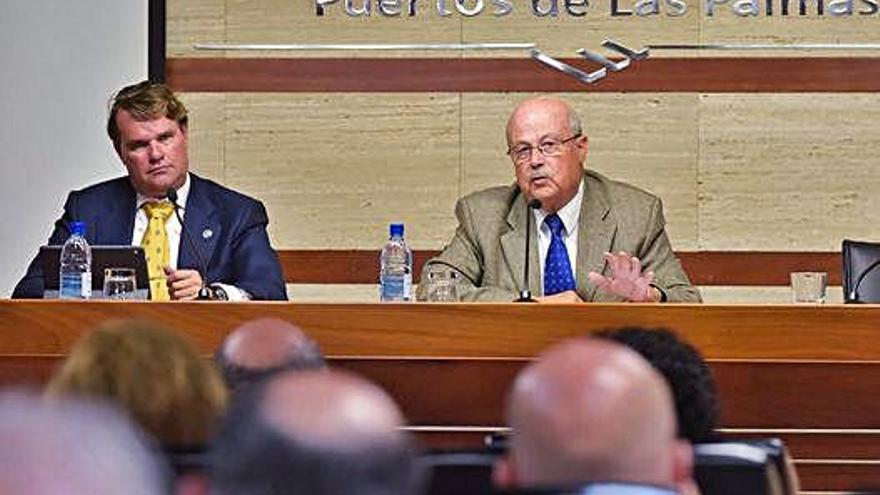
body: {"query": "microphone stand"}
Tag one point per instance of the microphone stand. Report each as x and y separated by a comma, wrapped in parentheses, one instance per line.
(205, 292)
(525, 295)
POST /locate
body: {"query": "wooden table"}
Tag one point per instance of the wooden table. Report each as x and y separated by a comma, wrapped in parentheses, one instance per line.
(807, 374)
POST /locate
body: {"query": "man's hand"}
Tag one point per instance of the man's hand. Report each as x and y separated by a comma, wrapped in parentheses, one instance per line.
(568, 296)
(627, 279)
(183, 285)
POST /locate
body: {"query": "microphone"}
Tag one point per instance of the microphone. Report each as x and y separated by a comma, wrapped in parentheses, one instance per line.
(854, 293)
(525, 295)
(205, 292)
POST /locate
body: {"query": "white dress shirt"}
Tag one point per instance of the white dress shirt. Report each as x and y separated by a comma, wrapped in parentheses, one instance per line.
(570, 215)
(175, 230)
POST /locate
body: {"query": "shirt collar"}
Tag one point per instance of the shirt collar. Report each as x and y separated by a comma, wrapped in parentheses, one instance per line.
(182, 194)
(569, 214)
(625, 489)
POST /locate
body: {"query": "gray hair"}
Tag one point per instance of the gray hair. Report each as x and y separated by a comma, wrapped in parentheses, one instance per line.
(574, 122)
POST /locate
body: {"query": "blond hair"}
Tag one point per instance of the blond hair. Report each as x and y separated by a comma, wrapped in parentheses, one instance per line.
(167, 388)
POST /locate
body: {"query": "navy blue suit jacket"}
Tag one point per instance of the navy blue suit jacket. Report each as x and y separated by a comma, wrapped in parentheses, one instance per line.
(237, 251)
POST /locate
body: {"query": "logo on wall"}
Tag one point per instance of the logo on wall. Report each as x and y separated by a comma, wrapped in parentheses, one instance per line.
(581, 8)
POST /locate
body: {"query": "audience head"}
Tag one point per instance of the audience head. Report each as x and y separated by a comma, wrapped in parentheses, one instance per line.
(264, 347)
(71, 447)
(548, 149)
(315, 432)
(589, 410)
(156, 376)
(689, 377)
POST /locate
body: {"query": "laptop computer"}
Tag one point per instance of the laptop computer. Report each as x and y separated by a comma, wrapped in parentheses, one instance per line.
(102, 257)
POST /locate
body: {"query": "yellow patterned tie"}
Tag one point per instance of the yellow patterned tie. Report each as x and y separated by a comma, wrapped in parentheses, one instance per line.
(155, 244)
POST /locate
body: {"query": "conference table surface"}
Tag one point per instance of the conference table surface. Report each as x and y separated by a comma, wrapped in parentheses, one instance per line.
(808, 374)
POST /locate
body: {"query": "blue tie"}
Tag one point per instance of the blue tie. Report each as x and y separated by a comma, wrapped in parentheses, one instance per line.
(557, 268)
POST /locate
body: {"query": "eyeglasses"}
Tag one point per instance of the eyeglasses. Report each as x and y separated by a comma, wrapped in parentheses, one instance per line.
(549, 147)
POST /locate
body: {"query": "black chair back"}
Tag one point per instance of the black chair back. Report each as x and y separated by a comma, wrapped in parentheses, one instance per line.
(459, 473)
(861, 261)
(778, 456)
(735, 468)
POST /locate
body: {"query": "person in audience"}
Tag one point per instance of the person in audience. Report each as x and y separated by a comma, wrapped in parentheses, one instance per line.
(228, 251)
(590, 411)
(157, 377)
(265, 347)
(688, 375)
(597, 239)
(73, 447)
(316, 433)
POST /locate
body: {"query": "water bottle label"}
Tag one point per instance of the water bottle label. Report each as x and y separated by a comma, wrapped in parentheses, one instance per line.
(71, 286)
(395, 287)
(86, 287)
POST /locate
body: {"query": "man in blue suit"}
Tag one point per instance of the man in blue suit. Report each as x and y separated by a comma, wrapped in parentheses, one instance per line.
(148, 127)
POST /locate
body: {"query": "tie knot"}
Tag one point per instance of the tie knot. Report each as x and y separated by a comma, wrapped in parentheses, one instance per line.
(161, 210)
(555, 223)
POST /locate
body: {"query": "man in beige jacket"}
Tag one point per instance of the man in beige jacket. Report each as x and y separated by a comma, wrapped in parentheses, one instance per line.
(594, 239)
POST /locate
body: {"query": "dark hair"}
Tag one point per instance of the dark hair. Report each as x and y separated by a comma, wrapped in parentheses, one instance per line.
(688, 375)
(250, 457)
(307, 357)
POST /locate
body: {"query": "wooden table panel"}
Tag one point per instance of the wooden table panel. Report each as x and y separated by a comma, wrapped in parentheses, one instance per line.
(806, 374)
(830, 332)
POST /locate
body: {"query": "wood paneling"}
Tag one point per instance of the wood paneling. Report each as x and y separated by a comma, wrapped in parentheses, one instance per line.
(823, 387)
(657, 75)
(751, 332)
(828, 476)
(470, 392)
(703, 267)
(821, 444)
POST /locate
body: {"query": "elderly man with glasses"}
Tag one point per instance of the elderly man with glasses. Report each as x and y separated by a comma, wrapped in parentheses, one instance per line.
(597, 239)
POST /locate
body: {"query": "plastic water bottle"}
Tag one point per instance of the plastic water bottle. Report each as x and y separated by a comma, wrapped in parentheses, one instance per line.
(76, 265)
(395, 268)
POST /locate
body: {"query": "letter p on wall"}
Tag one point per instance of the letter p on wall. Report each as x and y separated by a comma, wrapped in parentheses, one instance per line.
(320, 4)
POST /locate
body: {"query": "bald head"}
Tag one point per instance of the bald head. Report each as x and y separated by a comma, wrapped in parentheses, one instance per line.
(591, 410)
(556, 108)
(69, 447)
(317, 432)
(333, 410)
(262, 347)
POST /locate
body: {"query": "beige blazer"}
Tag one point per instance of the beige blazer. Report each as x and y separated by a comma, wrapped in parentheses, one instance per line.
(489, 244)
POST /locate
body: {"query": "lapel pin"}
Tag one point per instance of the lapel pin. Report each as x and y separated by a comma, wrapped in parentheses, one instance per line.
(207, 234)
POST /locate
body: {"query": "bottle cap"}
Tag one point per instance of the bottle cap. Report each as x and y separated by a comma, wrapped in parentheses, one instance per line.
(78, 228)
(396, 229)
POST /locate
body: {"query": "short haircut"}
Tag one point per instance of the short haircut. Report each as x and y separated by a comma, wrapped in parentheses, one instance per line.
(145, 100)
(170, 390)
(574, 123)
(238, 377)
(251, 457)
(688, 375)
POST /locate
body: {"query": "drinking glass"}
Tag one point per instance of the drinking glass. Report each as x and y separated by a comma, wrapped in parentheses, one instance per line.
(442, 285)
(119, 283)
(808, 287)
